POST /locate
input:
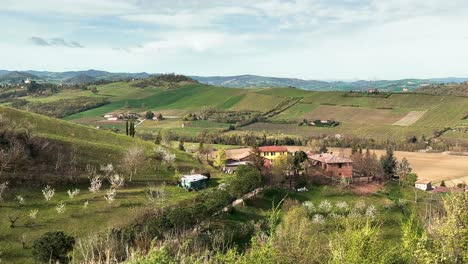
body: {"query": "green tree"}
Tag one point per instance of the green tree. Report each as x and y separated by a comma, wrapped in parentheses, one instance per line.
(126, 128)
(257, 160)
(389, 164)
(158, 138)
(149, 115)
(442, 183)
(53, 247)
(181, 145)
(220, 160)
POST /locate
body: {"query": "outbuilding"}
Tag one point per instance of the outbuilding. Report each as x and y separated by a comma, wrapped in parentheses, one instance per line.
(194, 181)
(423, 184)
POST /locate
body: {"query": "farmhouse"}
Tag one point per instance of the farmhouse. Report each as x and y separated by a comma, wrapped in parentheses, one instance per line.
(233, 161)
(423, 184)
(272, 152)
(334, 165)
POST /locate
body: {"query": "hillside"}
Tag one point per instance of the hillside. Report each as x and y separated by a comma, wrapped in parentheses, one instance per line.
(241, 81)
(16, 77)
(249, 81)
(65, 156)
(453, 89)
(80, 79)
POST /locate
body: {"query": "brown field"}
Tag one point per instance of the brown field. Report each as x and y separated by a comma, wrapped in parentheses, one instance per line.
(433, 166)
(357, 115)
(410, 118)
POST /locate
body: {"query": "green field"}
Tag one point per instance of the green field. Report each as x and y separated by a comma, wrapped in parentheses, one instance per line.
(396, 116)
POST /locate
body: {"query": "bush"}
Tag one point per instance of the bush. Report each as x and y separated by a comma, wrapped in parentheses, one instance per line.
(245, 180)
(53, 247)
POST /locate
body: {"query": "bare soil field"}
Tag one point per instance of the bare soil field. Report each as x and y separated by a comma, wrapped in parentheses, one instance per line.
(432, 166)
(411, 118)
(359, 115)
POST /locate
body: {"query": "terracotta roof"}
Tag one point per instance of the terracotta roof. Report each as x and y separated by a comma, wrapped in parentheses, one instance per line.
(329, 158)
(273, 149)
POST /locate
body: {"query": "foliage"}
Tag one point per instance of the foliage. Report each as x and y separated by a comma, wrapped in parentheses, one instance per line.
(389, 164)
(243, 181)
(359, 244)
(149, 115)
(53, 247)
(220, 160)
(64, 107)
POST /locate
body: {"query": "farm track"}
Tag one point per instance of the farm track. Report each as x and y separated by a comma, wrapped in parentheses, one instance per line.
(411, 118)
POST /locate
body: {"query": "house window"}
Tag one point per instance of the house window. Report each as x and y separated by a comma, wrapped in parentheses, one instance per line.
(272, 153)
(340, 165)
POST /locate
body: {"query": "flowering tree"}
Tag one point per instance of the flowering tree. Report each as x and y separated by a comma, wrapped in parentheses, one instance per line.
(116, 181)
(95, 184)
(48, 193)
(73, 193)
(60, 207)
(110, 195)
(33, 213)
(20, 199)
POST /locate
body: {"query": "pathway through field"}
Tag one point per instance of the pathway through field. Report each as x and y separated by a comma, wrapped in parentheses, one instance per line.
(410, 118)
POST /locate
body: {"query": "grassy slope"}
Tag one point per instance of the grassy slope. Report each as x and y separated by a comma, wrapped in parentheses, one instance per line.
(360, 116)
(93, 146)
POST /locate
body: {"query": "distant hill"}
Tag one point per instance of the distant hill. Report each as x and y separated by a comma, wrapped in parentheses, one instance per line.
(252, 81)
(246, 81)
(68, 76)
(80, 79)
(16, 77)
(456, 89)
(238, 81)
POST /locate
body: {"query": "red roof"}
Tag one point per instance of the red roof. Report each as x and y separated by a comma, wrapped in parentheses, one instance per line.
(329, 158)
(273, 149)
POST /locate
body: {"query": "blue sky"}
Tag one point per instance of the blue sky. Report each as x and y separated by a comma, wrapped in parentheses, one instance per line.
(310, 39)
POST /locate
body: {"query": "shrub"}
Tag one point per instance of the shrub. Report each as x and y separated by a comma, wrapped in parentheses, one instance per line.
(53, 247)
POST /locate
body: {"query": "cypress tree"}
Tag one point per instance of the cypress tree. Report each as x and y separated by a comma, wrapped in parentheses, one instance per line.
(126, 128)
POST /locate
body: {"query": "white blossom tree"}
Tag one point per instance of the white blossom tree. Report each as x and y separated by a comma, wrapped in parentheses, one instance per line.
(116, 181)
(73, 193)
(95, 184)
(110, 195)
(60, 207)
(48, 193)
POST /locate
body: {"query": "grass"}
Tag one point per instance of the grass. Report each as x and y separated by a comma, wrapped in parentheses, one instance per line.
(365, 116)
(76, 220)
(371, 131)
(95, 147)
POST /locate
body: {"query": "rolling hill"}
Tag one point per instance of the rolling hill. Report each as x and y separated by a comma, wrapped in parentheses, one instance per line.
(238, 81)
(460, 89)
(16, 77)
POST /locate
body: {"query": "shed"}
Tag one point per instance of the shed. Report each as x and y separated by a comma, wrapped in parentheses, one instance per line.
(193, 181)
(423, 184)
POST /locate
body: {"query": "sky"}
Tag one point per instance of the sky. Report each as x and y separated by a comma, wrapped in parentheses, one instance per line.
(308, 39)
